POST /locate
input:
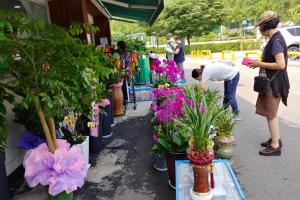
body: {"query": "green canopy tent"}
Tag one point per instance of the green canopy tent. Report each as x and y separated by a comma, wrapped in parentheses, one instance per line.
(141, 11)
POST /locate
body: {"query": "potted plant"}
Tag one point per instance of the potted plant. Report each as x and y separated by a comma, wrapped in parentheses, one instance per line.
(157, 151)
(73, 136)
(197, 121)
(224, 126)
(56, 71)
(172, 139)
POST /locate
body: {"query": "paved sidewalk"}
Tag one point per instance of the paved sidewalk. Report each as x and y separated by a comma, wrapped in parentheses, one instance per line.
(124, 170)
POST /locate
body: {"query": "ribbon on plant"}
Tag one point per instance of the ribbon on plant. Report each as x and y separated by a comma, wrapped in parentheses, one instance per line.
(94, 124)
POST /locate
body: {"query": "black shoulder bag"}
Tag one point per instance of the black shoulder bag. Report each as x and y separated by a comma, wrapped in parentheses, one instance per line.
(262, 84)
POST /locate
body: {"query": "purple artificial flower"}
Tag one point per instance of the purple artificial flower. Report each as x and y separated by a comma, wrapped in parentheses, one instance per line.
(64, 170)
(155, 138)
(29, 140)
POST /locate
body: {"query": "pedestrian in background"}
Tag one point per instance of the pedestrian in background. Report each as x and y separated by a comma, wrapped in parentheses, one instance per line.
(178, 53)
(170, 45)
(273, 65)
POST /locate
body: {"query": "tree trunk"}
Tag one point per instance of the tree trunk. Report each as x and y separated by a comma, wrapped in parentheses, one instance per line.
(188, 40)
(51, 126)
(45, 126)
(157, 41)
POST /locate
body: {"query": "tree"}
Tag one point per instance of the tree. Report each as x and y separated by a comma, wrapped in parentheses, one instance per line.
(294, 13)
(54, 70)
(119, 30)
(158, 28)
(192, 17)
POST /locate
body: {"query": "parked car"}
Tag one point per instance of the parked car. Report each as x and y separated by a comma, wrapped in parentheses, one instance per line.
(291, 35)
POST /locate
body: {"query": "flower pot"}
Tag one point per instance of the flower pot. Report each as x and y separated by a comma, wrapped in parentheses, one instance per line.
(160, 162)
(111, 100)
(170, 160)
(117, 94)
(85, 147)
(225, 151)
(106, 122)
(201, 189)
(61, 196)
(4, 191)
(96, 143)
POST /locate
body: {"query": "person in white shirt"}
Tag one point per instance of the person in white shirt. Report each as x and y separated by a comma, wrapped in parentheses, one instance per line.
(170, 46)
(220, 71)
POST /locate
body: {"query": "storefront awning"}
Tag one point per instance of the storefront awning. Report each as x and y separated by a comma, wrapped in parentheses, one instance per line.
(143, 11)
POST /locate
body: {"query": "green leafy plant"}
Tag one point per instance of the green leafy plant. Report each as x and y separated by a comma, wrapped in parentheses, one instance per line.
(170, 138)
(69, 131)
(224, 124)
(4, 96)
(114, 75)
(197, 120)
(135, 44)
(54, 69)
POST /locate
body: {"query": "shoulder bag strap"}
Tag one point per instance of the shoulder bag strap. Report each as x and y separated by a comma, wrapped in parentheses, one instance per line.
(274, 75)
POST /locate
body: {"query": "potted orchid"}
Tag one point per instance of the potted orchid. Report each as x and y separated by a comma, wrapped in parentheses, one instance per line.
(172, 139)
(197, 121)
(223, 141)
(168, 72)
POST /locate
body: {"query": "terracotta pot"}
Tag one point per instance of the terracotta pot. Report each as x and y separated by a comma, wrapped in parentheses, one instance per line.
(201, 184)
(170, 160)
(117, 94)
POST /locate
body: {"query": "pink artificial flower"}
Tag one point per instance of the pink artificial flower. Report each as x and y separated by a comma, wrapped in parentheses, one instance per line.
(154, 107)
(159, 69)
(155, 138)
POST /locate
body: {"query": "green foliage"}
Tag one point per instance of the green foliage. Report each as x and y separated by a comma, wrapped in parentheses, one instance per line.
(120, 30)
(4, 96)
(294, 14)
(113, 77)
(198, 119)
(51, 65)
(135, 44)
(192, 17)
(238, 10)
(213, 47)
(72, 138)
(171, 138)
(224, 124)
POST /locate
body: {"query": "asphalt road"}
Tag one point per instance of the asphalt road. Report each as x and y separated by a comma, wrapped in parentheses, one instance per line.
(263, 178)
